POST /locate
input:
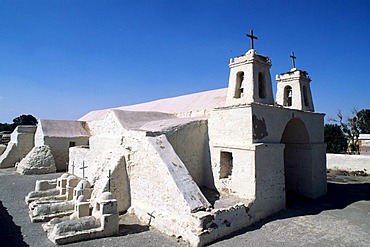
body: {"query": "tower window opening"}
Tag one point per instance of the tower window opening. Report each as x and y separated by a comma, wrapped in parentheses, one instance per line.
(226, 164)
(239, 90)
(288, 96)
(261, 86)
(305, 96)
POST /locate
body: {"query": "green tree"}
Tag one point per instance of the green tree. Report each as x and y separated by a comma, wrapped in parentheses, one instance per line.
(364, 121)
(25, 120)
(351, 130)
(334, 138)
(21, 120)
(6, 127)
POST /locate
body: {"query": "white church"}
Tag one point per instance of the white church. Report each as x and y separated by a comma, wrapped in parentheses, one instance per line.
(203, 165)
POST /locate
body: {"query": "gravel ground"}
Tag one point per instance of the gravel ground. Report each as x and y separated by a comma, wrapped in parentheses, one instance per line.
(341, 218)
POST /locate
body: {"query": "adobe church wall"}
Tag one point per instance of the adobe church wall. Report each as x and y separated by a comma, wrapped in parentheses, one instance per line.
(348, 162)
(304, 152)
(231, 126)
(270, 180)
(21, 143)
(161, 185)
(274, 120)
(105, 152)
(232, 156)
(319, 177)
(97, 166)
(242, 170)
(191, 145)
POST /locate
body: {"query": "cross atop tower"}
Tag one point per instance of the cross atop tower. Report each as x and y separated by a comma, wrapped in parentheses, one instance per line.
(293, 59)
(252, 37)
(83, 169)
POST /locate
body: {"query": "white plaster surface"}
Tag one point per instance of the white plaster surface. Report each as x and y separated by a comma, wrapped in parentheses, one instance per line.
(197, 103)
(348, 162)
(38, 161)
(21, 142)
(202, 165)
(296, 79)
(102, 223)
(253, 65)
(58, 135)
(63, 128)
(57, 201)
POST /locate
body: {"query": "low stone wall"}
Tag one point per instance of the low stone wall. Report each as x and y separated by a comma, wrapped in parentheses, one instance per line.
(21, 143)
(348, 162)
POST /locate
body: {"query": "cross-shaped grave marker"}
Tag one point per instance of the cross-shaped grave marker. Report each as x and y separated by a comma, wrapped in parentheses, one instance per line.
(109, 179)
(252, 37)
(83, 169)
(293, 59)
(151, 215)
(73, 168)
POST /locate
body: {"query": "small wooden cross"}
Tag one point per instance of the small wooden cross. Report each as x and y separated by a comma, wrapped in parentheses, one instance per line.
(252, 37)
(293, 59)
(151, 215)
(109, 179)
(83, 169)
(73, 168)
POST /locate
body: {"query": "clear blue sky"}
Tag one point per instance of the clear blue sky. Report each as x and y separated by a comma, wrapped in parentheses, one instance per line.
(62, 59)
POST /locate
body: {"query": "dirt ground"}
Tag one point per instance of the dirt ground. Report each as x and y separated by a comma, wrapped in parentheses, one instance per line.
(341, 218)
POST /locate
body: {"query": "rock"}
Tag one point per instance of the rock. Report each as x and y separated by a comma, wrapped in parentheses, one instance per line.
(38, 161)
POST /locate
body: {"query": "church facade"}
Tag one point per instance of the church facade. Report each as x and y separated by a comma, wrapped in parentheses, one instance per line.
(205, 170)
(202, 166)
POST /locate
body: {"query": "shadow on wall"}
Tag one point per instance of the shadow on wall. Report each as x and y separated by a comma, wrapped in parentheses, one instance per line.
(127, 229)
(207, 169)
(338, 196)
(10, 233)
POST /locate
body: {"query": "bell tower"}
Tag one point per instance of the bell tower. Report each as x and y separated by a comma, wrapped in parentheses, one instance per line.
(293, 89)
(250, 79)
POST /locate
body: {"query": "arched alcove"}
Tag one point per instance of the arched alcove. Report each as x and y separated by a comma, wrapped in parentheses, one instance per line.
(305, 96)
(295, 132)
(239, 88)
(261, 86)
(297, 158)
(288, 96)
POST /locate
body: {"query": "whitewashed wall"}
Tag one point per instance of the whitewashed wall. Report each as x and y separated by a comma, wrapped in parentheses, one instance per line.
(348, 162)
(191, 144)
(21, 143)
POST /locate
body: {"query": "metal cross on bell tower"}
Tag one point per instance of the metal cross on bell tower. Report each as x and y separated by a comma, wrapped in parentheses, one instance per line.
(252, 37)
(293, 59)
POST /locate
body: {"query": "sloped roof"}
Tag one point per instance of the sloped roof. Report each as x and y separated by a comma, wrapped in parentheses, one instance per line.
(63, 128)
(149, 121)
(186, 103)
(135, 119)
(190, 102)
